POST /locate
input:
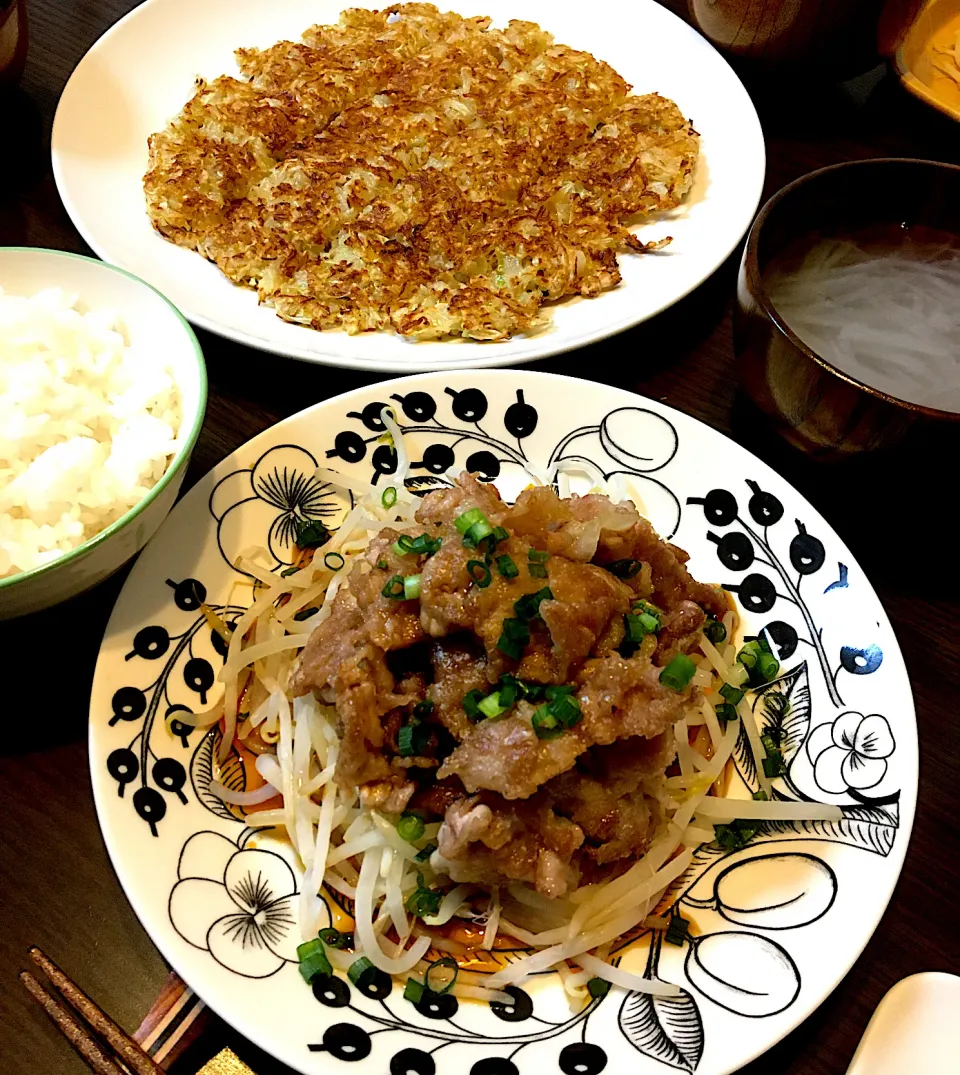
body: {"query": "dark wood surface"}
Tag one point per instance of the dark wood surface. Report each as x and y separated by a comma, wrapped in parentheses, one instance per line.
(57, 889)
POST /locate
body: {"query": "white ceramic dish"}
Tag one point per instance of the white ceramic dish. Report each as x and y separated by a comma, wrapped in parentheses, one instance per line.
(142, 71)
(776, 924)
(913, 1028)
(154, 325)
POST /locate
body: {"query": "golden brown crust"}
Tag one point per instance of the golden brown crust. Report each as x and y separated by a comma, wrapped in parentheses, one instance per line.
(418, 172)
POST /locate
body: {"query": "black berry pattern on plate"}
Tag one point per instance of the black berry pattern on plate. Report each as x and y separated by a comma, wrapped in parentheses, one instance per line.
(182, 685)
(759, 591)
(630, 442)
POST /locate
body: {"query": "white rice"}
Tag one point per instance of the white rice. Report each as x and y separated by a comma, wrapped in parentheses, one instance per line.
(88, 426)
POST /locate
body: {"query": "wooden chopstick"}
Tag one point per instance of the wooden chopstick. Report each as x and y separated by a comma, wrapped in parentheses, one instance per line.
(78, 1037)
(122, 1046)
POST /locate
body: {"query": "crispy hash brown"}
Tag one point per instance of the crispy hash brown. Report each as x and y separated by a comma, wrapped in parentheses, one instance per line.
(417, 171)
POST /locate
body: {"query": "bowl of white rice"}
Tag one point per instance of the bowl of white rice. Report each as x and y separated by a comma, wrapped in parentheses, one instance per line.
(102, 394)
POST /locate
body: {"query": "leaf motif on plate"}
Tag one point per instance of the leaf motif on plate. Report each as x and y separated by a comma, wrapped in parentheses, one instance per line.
(746, 765)
(668, 1029)
(232, 775)
(704, 857)
(871, 828)
(787, 724)
(425, 483)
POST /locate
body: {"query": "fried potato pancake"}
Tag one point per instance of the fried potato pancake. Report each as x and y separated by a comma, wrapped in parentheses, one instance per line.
(418, 172)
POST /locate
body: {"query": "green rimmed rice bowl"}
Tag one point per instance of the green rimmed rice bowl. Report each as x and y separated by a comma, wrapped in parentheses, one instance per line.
(159, 338)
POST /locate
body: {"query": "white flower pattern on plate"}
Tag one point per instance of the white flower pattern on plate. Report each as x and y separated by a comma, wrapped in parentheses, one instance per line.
(239, 905)
(275, 495)
(851, 752)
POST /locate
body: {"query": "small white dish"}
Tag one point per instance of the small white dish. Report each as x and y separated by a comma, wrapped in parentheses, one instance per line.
(150, 322)
(914, 1029)
(143, 70)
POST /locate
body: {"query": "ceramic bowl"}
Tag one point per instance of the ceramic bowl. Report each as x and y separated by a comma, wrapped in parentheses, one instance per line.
(817, 407)
(149, 320)
(923, 59)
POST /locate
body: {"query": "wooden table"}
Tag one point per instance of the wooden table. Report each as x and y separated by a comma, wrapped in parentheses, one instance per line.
(58, 889)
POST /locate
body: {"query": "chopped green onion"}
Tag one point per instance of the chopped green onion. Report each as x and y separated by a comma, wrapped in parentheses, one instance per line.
(536, 563)
(545, 724)
(646, 606)
(405, 741)
(759, 661)
(413, 738)
(773, 766)
(488, 544)
(514, 638)
(313, 960)
(624, 569)
(678, 673)
(410, 827)
(425, 853)
(311, 534)
(528, 607)
(334, 561)
(423, 709)
(726, 712)
(768, 667)
(288, 571)
(477, 533)
(638, 625)
(732, 694)
(491, 706)
(359, 969)
(677, 931)
(389, 497)
(306, 613)
(777, 704)
(715, 631)
(598, 987)
(411, 587)
(393, 588)
(554, 690)
(422, 739)
(421, 545)
(480, 573)
(423, 901)
(382, 565)
(332, 937)
(467, 519)
(773, 763)
(747, 657)
(533, 692)
(507, 690)
(413, 991)
(736, 835)
(633, 629)
(441, 987)
(566, 709)
(507, 567)
(471, 705)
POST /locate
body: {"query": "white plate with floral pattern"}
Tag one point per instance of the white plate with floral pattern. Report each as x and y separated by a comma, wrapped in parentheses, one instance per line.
(775, 924)
(143, 70)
